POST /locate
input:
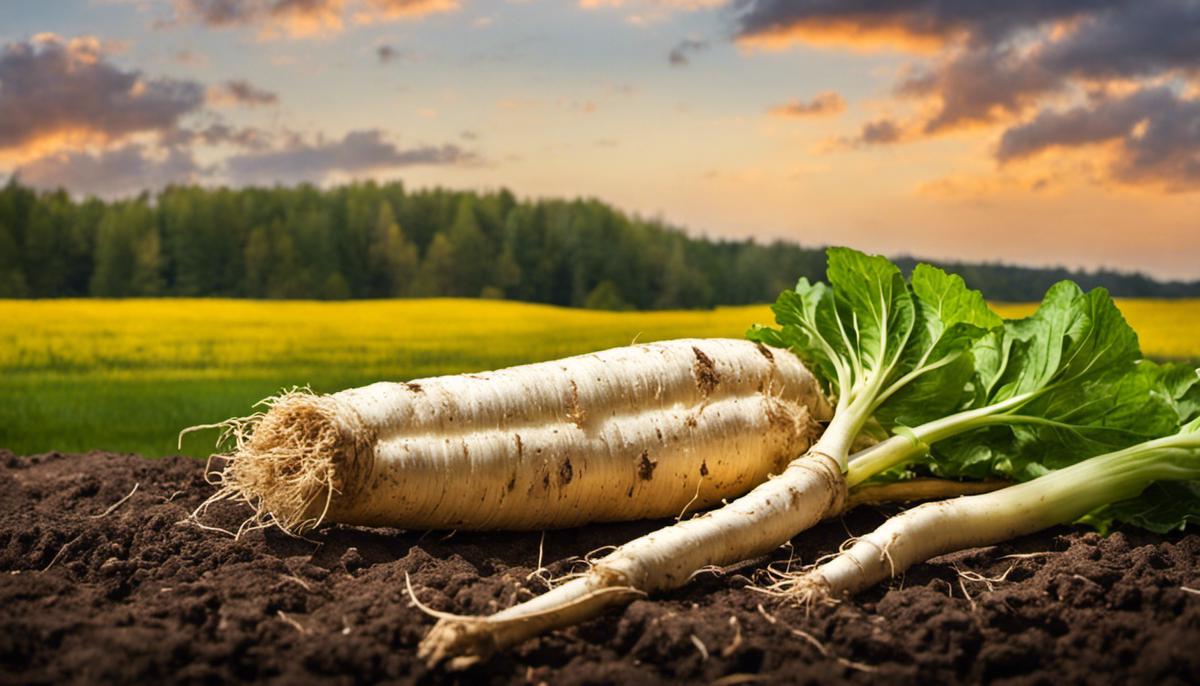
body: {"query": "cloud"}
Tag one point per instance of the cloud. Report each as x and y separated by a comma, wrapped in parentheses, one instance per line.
(294, 18)
(109, 173)
(999, 81)
(1010, 64)
(302, 18)
(54, 88)
(355, 153)
(1156, 133)
(998, 60)
(220, 13)
(905, 24)
(645, 12)
(679, 55)
(248, 137)
(883, 131)
(386, 54)
(404, 9)
(825, 103)
(687, 5)
(241, 93)
(189, 58)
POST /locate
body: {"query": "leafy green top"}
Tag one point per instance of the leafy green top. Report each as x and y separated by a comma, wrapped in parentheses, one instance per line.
(1059, 386)
(884, 347)
(1166, 505)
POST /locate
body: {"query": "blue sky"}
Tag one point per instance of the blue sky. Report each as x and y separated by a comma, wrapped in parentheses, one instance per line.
(1036, 132)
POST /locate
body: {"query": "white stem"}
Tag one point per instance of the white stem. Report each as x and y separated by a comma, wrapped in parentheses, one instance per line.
(936, 528)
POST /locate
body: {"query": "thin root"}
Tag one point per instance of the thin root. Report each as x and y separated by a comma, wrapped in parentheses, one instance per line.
(979, 578)
(1026, 556)
(736, 643)
(692, 501)
(60, 552)
(701, 647)
(113, 508)
(827, 653)
(296, 625)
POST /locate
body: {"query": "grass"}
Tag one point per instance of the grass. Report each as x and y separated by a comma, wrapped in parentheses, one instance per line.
(128, 375)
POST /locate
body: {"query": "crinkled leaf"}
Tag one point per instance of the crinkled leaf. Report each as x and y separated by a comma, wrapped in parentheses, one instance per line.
(1126, 405)
(1163, 507)
(947, 301)
(1075, 361)
(870, 331)
(808, 325)
(950, 318)
(1072, 336)
(1183, 382)
(873, 305)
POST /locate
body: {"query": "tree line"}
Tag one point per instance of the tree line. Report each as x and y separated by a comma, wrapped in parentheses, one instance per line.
(371, 240)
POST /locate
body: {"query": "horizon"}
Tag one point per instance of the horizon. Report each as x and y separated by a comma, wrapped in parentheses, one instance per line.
(899, 257)
(996, 134)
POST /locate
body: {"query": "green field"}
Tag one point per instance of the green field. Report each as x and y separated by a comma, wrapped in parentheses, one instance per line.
(127, 375)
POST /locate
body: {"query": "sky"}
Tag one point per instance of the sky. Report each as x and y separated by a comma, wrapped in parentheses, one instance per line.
(1042, 132)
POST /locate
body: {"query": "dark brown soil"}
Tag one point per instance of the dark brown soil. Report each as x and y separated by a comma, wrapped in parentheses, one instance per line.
(139, 595)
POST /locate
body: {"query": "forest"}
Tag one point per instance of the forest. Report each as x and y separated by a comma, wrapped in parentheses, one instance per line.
(381, 240)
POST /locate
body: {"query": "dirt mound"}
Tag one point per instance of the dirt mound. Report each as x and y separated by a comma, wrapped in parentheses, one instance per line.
(137, 596)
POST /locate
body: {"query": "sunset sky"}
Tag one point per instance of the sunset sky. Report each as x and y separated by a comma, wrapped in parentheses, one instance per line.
(1030, 131)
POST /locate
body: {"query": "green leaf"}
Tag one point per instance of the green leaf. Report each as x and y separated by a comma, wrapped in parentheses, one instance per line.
(1068, 385)
(885, 350)
(950, 318)
(873, 303)
(1183, 383)
(1163, 507)
(948, 301)
(808, 327)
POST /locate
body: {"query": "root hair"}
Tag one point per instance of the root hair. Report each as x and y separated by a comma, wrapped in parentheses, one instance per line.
(287, 462)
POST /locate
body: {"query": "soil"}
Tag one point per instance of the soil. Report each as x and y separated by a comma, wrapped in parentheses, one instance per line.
(92, 591)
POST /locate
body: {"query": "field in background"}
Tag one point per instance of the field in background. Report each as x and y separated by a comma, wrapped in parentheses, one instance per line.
(127, 375)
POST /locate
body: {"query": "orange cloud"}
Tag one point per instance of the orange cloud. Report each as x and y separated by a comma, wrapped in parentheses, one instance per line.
(842, 34)
(391, 10)
(822, 104)
(52, 142)
(60, 91)
(305, 18)
(662, 4)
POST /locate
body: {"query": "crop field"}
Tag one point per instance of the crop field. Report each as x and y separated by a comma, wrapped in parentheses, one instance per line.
(127, 375)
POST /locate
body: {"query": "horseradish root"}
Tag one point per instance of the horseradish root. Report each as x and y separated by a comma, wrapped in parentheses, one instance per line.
(627, 433)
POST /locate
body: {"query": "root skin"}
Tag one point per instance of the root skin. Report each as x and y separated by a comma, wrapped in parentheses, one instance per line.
(919, 534)
(547, 445)
(810, 488)
(919, 489)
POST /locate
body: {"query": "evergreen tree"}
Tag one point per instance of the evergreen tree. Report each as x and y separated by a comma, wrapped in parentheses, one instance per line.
(12, 277)
(473, 253)
(364, 239)
(391, 257)
(437, 269)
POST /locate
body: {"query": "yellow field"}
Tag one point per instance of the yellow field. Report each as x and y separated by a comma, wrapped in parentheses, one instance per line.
(127, 375)
(238, 338)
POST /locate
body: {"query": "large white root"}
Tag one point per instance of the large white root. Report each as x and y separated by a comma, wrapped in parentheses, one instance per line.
(628, 433)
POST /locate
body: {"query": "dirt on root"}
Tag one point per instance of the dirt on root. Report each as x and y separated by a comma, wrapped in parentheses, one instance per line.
(92, 593)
